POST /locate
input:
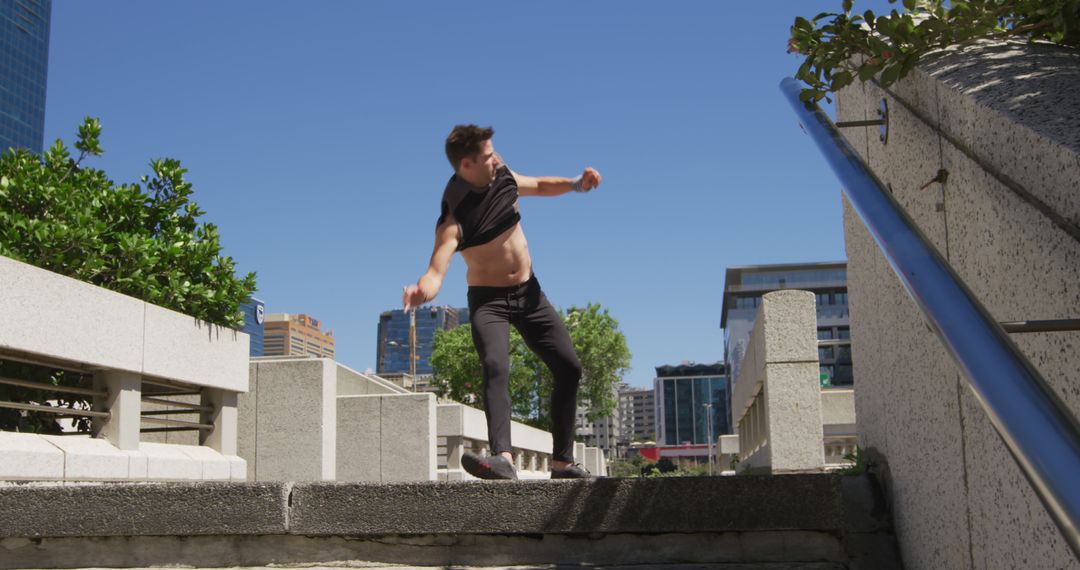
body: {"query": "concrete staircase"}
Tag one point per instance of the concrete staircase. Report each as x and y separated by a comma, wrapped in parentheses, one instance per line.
(755, 522)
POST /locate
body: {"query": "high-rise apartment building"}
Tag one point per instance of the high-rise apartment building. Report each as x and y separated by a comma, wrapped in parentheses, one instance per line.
(254, 324)
(296, 335)
(24, 69)
(638, 411)
(743, 288)
(393, 350)
(691, 403)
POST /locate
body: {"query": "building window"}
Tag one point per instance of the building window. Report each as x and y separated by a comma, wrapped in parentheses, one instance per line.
(840, 298)
(844, 375)
(824, 334)
(826, 372)
(822, 299)
(825, 353)
(843, 332)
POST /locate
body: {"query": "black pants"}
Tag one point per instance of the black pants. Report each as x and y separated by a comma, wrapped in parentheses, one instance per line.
(492, 311)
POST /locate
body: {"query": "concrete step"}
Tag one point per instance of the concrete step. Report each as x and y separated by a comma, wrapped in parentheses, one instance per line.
(792, 519)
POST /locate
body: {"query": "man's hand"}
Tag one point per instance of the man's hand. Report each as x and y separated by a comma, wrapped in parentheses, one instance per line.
(590, 179)
(413, 297)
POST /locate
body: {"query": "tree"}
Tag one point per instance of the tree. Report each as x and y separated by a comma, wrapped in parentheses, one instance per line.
(61, 216)
(841, 47)
(600, 346)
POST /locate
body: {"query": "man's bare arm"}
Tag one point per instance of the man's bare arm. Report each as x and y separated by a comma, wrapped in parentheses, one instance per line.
(554, 185)
(447, 237)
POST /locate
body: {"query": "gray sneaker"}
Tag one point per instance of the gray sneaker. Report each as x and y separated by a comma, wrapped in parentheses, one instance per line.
(572, 471)
(491, 467)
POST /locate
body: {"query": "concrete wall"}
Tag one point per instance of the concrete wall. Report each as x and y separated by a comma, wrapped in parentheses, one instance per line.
(60, 318)
(1003, 121)
(386, 438)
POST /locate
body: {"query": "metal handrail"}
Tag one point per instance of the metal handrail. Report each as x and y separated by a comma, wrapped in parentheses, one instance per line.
(52, 388)
(1040, 432)
(164, 402)
(177, 423)
(70, 412)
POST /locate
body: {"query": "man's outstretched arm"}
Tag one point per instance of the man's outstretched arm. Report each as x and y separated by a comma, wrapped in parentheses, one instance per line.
(425, 288)
(554, 185)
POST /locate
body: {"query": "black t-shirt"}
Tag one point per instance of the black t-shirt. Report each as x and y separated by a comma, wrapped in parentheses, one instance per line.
(482, 213)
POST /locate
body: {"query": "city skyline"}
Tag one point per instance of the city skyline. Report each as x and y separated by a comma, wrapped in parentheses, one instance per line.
(324, 123)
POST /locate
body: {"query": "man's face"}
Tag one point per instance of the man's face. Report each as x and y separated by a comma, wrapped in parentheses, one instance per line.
(479, 169)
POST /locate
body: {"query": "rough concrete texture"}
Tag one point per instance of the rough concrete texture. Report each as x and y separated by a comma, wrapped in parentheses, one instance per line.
(386, 438)
(1001, 120)
(792, 392)
(699, 551)
(783, 312)
(293, 408)
(181, 347)
(599, 505)
(141, 509)
(49, 314)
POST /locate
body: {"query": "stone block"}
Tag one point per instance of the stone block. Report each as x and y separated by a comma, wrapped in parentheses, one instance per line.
(48, 314)
(592, 460)
(246, 415)
(359, 442)
(215, 466)
(237, 468)
(794, 416)
(579, 451)
(838, 407)
(88, 459)
(138, 465)
(143, 509)
(783, 312)
(296, 419)
(181, 347)
(29, 456)
(409, 445)
(167, 462)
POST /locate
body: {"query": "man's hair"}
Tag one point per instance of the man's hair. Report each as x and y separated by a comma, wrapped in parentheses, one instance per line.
(465, 140)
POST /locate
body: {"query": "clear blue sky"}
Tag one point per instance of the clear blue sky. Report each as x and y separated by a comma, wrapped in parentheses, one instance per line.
(313, 133)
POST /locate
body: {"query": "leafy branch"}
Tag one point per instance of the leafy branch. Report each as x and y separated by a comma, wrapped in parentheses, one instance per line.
(844, 46)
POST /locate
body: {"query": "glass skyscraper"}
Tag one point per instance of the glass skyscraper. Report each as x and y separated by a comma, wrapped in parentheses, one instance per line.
(24, 68)
(691, 399)
(392, 352)
(254, 316)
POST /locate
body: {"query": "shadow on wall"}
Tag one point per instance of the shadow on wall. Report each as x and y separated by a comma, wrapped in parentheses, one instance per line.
(1036, 84)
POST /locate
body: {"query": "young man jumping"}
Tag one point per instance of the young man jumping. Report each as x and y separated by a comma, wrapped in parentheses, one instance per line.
(480, 219)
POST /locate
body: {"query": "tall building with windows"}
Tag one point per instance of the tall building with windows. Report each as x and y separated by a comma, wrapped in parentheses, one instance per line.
(743, 288)
(24, 69)
(296, 335)
(691, 403)
(392, 349)
(638, 411)
(254, 324)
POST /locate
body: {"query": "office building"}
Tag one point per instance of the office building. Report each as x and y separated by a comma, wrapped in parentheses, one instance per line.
(254, 324)
(743, 288)
(606, 433)
(392, 350)
(691, 404)
(296, 335)
(24, 69)
(638, 412)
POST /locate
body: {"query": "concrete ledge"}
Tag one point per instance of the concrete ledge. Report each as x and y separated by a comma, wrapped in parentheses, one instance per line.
(142, 509)
(699, 504)
(181, 347)
(29, 456)
(743, 551)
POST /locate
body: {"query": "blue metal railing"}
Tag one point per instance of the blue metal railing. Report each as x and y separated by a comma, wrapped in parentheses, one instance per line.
(1039, 431)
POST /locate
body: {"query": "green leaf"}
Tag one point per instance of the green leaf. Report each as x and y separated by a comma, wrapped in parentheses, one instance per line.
(910, 5)
(847, 5)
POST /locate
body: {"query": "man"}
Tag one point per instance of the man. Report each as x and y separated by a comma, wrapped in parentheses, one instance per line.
(480, 219)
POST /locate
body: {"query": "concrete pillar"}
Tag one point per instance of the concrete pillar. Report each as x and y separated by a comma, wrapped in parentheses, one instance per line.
(223, 417)
(124, 402)
(455, 448)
